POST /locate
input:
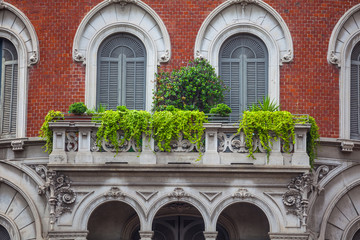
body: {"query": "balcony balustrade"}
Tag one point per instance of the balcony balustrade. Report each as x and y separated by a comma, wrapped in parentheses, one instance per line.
(75, 143)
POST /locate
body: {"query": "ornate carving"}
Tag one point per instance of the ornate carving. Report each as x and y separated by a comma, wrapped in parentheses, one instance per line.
(287, 56)
(347, 146)
(178, 193)
(60, 196)
(235, 142)
(41, 170)
(320, 173)
(179, 206)
(165, 57)
(123, 3)
(109, 147)
(296, 198)
(93, 146)
(242, 193)
(182, 145)
(114, 192)
(78, 56)
(17, 145)
(333, 59)
(199, 55)
(71, 141)
(244, 3)
(33, 58)
(2, 4)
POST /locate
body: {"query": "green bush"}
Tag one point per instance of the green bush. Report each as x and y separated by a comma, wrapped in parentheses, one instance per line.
(77, 108)
(222, 109)
(194, 87)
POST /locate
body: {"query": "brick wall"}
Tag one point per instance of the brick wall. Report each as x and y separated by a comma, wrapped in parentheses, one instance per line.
(309, 85)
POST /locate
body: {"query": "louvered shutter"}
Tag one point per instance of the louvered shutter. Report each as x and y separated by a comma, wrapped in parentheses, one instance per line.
(9, 89)
(244, 70)
(121, 73)
(354, 94)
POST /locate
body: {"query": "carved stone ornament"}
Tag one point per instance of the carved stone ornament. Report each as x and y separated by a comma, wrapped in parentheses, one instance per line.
(2, 5)
(165, 57)
(296, 198)
(114, 192)
(243, 3)
(319, 174)
(123, 3)
(242, 193)
(199, 55)
(78, 56)
(347, 146)
(17, 145)
(41, 170)
(33, 58)
(60, 195)
(333, 58)
(287, 56)
(178, 193)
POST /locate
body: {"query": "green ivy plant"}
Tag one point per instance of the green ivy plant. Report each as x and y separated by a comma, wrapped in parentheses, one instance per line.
(268, 126)
(194, 87)
(132, 123)
(45, 132)
(167, 126)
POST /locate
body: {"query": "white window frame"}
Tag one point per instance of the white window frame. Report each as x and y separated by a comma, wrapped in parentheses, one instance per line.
(234, 17)
(344, 37)
(17, 28)
(137, 19)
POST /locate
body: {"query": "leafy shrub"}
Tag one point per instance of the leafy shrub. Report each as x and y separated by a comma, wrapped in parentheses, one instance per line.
(77, 108)
(122, 108)
(194, 87)
(222, 109)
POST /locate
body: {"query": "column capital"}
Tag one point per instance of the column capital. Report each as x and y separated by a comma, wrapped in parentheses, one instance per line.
(210, 235)
(146, 235)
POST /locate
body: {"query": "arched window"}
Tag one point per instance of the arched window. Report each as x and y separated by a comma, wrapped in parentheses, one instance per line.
(9, 86)
(354, 93)
(244, 69)
(121, 72)
(4, 235)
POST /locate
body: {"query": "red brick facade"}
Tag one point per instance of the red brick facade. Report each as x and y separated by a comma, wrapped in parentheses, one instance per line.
(309, 84)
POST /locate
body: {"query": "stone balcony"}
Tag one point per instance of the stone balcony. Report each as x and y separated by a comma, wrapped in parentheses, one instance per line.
(75, 143)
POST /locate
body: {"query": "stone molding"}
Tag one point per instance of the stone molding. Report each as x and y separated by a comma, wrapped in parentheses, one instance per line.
(289, 236)
(111, 17)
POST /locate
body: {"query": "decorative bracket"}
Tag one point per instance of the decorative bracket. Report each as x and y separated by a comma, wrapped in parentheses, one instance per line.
(287, 57)
(243, 3)
(347, 146)
(123, 3)
(60, 196)
(17, 145)
(114, 192)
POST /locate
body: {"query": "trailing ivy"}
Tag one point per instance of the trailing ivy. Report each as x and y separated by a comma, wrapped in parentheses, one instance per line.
(132, 123)
(167, 125)
(269, 126)
(45, 132)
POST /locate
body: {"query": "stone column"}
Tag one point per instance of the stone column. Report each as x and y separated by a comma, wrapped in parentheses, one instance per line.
(146, 235)
(58, 154)
(211, 155)
(210, 235)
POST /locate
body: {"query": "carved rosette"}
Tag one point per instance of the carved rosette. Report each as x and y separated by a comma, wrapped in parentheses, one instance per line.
(61, 197)
(242, 193)
(114, 192)
(178, 193)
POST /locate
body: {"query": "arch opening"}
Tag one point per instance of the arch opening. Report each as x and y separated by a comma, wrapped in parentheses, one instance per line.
(244, 221)
(112, 221)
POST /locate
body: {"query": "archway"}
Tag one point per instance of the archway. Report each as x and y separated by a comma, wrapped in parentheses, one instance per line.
(243, 221)
(112, 221)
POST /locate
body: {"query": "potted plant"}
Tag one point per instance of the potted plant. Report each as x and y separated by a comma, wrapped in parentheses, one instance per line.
(220, 113)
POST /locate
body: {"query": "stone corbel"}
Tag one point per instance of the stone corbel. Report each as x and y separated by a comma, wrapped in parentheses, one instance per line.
(33, 58)
(178, 193)
(347, 146)
(287, 57)
(165, 57)
(61, 197)
(79, 57)
(17, 145)
(123, 3)
(242, 193)
(114, 192)
(244, 3)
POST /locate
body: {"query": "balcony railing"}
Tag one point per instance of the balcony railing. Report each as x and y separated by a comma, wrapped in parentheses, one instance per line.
(75, 143)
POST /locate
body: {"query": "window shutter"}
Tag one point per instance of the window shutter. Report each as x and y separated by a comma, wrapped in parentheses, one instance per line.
(121, 73)
(9, 86)
(354, 102)
(243, 68)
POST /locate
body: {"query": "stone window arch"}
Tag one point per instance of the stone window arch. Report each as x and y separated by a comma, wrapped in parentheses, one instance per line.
(256, 18)
(343, 41)
(121, 16)
(16, 31)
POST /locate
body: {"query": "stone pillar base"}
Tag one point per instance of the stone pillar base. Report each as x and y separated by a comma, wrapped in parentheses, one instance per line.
(210, 235)
(289, 236)
(146, 235)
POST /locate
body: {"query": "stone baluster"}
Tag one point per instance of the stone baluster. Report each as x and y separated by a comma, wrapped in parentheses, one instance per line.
(300, 157)
(147, 155)
(84, 154)
(211, 155)
(276, 157)
(58, 154)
